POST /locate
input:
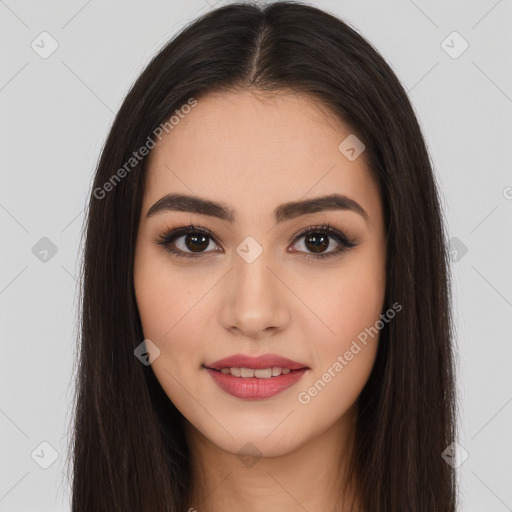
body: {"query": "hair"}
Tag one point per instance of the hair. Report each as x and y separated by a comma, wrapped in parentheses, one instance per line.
(129, 451)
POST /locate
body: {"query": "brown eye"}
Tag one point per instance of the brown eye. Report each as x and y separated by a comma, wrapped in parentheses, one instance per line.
(193, 242)
(316, 242)
(187, 241)
(196, 242)
(317, 239)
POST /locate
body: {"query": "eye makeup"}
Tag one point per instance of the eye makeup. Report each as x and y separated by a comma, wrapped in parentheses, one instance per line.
(318, 235)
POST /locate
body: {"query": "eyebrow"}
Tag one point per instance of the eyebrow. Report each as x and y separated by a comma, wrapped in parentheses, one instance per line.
(286, 211)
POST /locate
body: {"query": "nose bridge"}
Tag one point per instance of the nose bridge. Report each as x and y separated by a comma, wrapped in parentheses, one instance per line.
(254, 301)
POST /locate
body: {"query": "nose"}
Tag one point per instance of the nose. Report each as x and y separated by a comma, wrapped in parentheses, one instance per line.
(256, 301)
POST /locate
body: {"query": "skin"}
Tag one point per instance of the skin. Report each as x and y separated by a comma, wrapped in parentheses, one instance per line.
(253, 152)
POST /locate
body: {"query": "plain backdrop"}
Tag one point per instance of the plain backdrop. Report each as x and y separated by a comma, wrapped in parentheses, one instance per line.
(56, 111)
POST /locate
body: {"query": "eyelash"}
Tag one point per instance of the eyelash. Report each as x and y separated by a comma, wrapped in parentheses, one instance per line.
(166, 239)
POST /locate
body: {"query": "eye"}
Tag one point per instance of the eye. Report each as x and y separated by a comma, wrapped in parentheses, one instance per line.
(197, 240)
(317, 239)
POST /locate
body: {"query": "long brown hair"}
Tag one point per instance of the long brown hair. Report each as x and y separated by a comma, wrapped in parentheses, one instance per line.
(128, 447)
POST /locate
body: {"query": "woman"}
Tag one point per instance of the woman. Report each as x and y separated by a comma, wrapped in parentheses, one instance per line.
(265, 319)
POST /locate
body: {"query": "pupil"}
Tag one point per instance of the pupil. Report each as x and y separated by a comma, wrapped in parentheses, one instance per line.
(319, 241)
(201, 240)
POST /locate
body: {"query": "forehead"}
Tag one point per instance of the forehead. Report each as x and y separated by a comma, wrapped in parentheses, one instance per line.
(253, 150)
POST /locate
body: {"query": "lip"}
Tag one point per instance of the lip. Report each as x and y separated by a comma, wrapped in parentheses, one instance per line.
(253, 388)
(263, 361)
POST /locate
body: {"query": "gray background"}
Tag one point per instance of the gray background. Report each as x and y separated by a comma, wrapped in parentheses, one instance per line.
(55, 114)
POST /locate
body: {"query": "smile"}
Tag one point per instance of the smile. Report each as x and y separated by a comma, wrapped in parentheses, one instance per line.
(260, 373)
(255, 378)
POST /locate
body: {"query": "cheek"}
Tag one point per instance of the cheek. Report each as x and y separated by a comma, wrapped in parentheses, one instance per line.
(172, 310)
(347, 301)
(174, 315)
(349, 305)
(356, 304)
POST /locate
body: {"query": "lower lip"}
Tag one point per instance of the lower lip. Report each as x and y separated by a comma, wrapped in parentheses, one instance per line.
(252, 388)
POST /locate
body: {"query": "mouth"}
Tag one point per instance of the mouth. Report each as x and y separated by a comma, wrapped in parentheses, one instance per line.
(253, 378)
(259, 373)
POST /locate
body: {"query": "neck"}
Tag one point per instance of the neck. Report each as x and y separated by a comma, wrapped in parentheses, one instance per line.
(311, 477)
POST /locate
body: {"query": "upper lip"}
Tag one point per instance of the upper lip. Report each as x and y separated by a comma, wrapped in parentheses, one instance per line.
(263, 361)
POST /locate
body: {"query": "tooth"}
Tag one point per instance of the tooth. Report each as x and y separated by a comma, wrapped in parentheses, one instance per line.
(263, 374)
(276, 371)
(247, 372)
(260, 373)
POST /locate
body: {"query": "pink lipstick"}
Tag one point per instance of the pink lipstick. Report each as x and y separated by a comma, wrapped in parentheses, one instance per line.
(255, 378)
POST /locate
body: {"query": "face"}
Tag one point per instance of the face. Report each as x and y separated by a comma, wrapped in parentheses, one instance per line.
(258, 275)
